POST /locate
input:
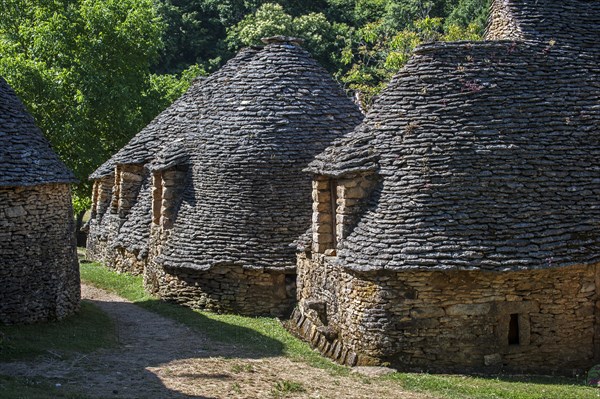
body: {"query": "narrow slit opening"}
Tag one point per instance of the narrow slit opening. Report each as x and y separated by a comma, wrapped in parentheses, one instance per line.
(333, 205)
(513, 329)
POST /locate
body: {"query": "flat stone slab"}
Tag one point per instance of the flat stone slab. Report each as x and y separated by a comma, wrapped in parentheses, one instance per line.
(373, 371)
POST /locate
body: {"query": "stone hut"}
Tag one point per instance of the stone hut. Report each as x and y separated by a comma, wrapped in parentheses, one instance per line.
(121, 216)
(231, 196)
(457, 228)
(38, 262)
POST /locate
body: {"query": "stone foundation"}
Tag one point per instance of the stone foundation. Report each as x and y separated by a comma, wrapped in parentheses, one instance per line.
(540, 321)
(38, 259)
(124, 261)
(224, 289)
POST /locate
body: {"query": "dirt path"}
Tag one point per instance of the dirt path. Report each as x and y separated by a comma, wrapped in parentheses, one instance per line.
(160, 358)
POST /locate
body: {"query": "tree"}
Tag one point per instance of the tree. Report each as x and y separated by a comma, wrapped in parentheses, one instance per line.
(321, 37)
(82, 67)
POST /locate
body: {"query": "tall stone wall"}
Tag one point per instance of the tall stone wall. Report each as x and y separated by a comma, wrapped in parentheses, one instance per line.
(38, 259)
(522, 321)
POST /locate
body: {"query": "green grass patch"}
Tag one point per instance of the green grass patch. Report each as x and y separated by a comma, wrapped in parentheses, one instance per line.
(284, 387)
(499, 387)
(85, 331)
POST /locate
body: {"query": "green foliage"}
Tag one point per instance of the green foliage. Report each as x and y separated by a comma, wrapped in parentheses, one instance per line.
(85, 331)
(471, 13)
(81, 203)
(83, 69)
(321, 37)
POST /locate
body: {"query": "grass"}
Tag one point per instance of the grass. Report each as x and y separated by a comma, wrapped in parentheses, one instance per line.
(266, 337)
(469, 387)
(85, 331)
(284, 387)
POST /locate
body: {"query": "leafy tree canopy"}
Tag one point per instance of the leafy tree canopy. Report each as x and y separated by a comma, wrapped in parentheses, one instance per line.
(83, 69)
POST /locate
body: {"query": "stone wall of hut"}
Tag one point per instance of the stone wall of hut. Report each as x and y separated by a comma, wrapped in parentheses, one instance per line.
(38, 266)
(114, 197)
(532, 321)
(97, 241)
(225, 289)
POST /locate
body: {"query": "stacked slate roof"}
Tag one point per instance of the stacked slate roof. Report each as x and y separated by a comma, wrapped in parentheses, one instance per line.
(169, 126)
(247, 197)
(489, 152)
(570, 23)
(26, 157)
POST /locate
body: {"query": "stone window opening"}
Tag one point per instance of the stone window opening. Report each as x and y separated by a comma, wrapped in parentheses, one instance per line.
(513, 326)
(102, 196)
(513, 329)
(167, 189)
(290, 285)
(114, 205)
(95, 194)
(337, 206)
(128, 181)
(157, 188)
(324, 215)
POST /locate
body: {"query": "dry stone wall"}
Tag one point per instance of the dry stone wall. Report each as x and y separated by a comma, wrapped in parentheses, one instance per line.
(38, 260)
(456, 320)
(227, 288)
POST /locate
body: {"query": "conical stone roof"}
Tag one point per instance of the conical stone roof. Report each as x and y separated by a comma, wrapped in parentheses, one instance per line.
(170, 124)
(489, 157)
(26, 157)
(247, 198)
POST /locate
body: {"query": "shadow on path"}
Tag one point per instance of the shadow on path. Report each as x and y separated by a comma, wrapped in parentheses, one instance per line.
(147, 345)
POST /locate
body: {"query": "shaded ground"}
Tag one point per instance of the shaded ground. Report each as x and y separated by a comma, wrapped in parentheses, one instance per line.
(160, 358)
